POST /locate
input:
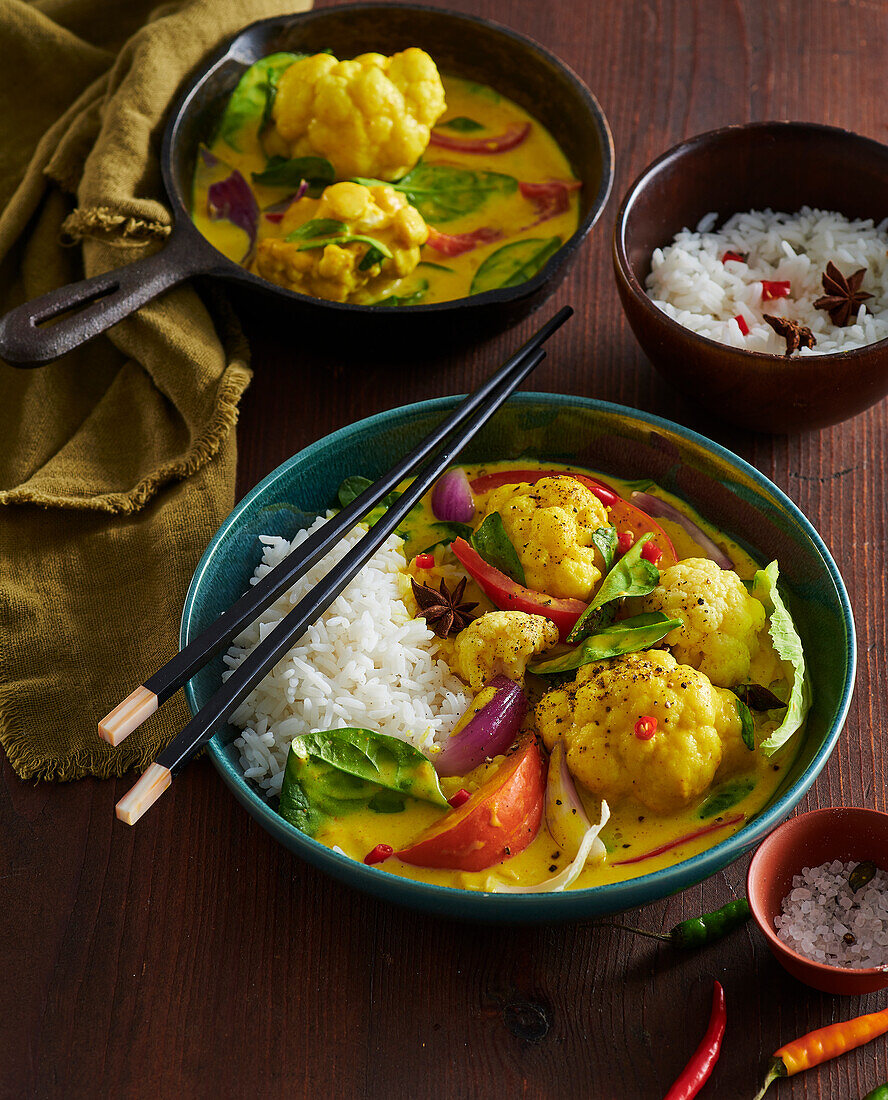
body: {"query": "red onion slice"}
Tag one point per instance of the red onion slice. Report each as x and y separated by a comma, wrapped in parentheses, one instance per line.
(662, 510)
(452, 498)
(489, 732)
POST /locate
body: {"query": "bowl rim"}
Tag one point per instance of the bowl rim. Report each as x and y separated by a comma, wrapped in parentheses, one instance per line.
(627, 274)
(493, 906)
(779, 946)
(228, 50)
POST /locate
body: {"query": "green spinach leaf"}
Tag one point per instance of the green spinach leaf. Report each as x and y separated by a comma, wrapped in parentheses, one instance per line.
(435, 267)
(441, 193)
(747, 725)
(336, 772)
(406, 299)
(605, 538)
(317, 227)
(462, 125)
(353, 487)
(376, 247)
(251, 100)
(788, 645)
(495, 547)
(281, 172)
(627, 636)
(514, 263)
(450, 530)
(633, 575)
(725, 797)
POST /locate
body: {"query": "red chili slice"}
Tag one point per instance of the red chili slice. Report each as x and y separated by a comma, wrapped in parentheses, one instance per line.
(733, 256)
(498, 143)
(455, 244)
(741, 324)
(774, 289)
(721, 823)
(645, 727)
(457, 800)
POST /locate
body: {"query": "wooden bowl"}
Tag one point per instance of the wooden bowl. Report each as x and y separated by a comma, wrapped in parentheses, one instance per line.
(839, 832)
(784, 166)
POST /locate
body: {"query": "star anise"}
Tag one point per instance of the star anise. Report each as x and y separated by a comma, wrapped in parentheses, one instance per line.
(443, 610)
(796, 335)
(843, 296)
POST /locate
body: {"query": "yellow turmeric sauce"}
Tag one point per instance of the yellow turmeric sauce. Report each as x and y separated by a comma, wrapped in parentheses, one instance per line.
(439, 277)
(633, 829)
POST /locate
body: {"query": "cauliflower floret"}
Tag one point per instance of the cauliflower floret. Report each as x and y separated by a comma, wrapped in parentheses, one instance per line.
(698, 729)
(550, 524)
(500, 643)
(722, 621)
(369, 117)
(334, 271)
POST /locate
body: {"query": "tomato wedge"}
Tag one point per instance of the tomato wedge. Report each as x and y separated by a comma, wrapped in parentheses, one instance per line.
(623, 515)
(498, 143)
(508, 595)
(455, 244)
(498, 821)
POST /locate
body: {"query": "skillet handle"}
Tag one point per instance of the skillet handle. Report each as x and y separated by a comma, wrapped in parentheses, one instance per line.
(27, 340)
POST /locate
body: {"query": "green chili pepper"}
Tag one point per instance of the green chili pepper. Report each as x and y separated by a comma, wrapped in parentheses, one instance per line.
(698, 931)
(861, 875)
(878, 1093)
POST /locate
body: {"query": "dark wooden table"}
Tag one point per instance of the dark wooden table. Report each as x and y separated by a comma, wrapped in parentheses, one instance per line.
(195, 957)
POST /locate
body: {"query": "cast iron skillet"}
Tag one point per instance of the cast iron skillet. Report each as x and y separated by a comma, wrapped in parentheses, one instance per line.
(474, 48)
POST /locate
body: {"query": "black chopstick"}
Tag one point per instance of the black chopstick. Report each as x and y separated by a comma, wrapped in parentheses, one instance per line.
(260, 660)
(144, 701)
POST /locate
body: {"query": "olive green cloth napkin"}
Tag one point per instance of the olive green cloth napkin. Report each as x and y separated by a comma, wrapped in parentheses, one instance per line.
(117, 462)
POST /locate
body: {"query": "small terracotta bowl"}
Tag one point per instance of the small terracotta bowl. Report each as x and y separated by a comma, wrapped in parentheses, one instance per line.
(784, 166)
(839, 832)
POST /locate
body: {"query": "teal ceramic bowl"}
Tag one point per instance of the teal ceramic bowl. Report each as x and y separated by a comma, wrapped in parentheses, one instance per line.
(609, 438)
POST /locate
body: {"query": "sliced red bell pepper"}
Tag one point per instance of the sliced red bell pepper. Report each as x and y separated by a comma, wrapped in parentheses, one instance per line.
(550, 198)
(455, 244)
(623, 515)
(497, 143)
(508, 595)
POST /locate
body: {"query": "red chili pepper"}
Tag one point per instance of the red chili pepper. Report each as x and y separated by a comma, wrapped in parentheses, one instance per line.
(379, 854)
(275, 216)
(461, 796)
(734, 819)
(733, 256)
(652, 553)
(625, 539)
(497, 143)
(455, 244)
(741, 324)
(645, 727)
(696, 1073)
(424, 561)
(772, 290)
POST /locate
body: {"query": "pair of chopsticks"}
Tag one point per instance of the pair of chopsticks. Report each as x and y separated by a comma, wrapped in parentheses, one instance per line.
(449, 437)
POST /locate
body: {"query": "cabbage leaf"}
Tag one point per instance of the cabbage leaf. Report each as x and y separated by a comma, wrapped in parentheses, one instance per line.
(788, 645)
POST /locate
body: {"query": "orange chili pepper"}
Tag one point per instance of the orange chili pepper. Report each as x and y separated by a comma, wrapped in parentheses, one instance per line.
(823, 1044)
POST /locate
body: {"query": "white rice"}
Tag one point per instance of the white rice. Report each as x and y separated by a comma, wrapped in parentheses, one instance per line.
(825, 920)
(689, 282)
(365, 663)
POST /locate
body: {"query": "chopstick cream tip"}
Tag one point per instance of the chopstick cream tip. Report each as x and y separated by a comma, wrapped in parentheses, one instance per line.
(144, 794)
(136, 708)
